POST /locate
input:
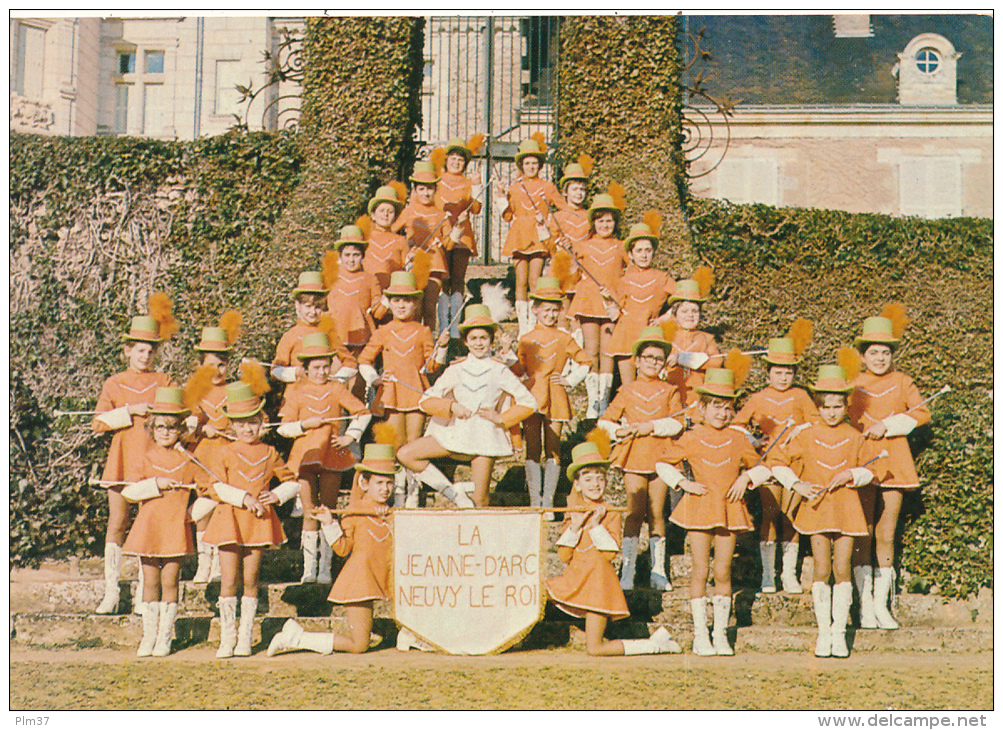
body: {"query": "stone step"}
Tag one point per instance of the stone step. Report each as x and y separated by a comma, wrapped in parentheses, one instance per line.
(90, 631)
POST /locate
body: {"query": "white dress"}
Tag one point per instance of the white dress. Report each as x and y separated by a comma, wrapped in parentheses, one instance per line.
(477, 383)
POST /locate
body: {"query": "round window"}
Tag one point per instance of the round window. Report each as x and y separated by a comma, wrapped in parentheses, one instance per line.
(928, 60)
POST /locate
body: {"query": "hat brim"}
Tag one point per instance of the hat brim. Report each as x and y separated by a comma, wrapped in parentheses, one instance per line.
(488, 325)
(548, 297)
(467, 154)
(665, 346)
(238, 416)
(704, 390)
(424, 181)
(213, 348)
(674, 299)
(314, 356)
(374, 202)
(876, 340)
(134, 338)
(571, 178)
(338, 245)
(384, 468)
(541, 156)
(154, 411)
(410, 293)
(631, 240)
(297, 291)
(574, 468)
(593, 212)
(795, 360)
(830, 388)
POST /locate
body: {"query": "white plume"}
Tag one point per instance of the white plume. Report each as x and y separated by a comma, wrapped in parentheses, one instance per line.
(495, 297)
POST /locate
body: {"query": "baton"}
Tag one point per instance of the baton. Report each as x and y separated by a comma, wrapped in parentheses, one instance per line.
(818, 497)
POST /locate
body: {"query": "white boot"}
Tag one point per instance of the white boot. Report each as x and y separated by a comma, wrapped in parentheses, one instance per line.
(701, 638)
(215, 572)
(150, 621)
(842, 596)
(165, 632)
(293, 637)
(248, 607)
(863, 576)
(821, 596)
(227, 626)
(884, 589)
(522, 314)
(722, 610)
(325, 554)
(551, 473)
(534, 483)
(438, 481)
(407, 640)
(660, 642)
(605, 386)
(400, 489)
(656, 549)
(768, 556)
(112, 566)
(205, 558)
(578, 337)
(592, 391)
(788, 572)
(309, 540)
(629, 552)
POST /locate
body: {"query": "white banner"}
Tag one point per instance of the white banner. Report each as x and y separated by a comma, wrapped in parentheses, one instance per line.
(468, 581)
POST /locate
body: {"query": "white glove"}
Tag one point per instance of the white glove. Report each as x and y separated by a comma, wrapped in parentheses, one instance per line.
(759, 474)
(201, 507)
(665, 427)
(141, 490)
(609, 427)
(332, 532)
(569, 538)
(192, 422)
(291, 430)
(899, 425)
(785, 475)
(575, 372)
(286, 491)
(861, 476)
(669, 474)
(357, 425)
(284, 373)
(117, 418)
(542, 231)
(603, 540)
(369, 374)
(345, 373)
(230, 494)
(692, 360)
(455, 234)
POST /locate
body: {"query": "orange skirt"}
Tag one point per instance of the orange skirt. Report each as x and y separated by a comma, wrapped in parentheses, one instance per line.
(162, 529)
(711, 510)
(313, 452)
(231, 526)
(638, 454)
(626, 333)
(839, 511)
(588, 585)
(523, 239)
(587, 302)
(900, 465)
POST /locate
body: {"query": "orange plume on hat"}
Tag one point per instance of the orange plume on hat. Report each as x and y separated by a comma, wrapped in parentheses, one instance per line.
(541, 139)
(330, 268)
(560, 269)
(385, 433)
(366, 224)
(231, 322)
(600, 438)
(618, 194)
(326, 325)
(738, 363)
(669, 328)
(653, 219)
(161, 308)
(198, 386)
(896, 313)
(801, 333)
(252, 373)
(421, 267)
(401, 190)
(587, 164)
(704, 277)
(851, 362)
(475, 143)
(438, 158)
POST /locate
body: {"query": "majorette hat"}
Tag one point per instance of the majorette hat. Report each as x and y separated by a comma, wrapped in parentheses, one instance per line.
(604, 203)
(640, 232)
(378, 459)
(531, 148)
(781, 352)
(548, 289)
(310, 282)
(168, 401)
(402, 284)
(652, 336)
(831, 379)
(241, 402)
(458, 144)
(314, 345)
(877, 331)
(477, 315)
(574, 171)
(687, 290)
(353, 235)
(213, 340)
(583, 455)
(385, 194)
(424, 173)
(718, 382)
(143, 329)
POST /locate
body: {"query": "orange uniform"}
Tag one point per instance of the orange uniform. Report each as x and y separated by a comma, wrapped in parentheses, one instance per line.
(385, 254)
(313, 452)
(354, 302)
(161, 528)
(130, 387)
(249, 467)
(816, 455)
(368, 543)
(572, 223)
(644, 399)
(716, 457)
(528, 197)
(876, 397)
(605, 259)
(406, 347)
(210, 411)
(453, 195)
(542, 352)
(589, 584)
(684, 378)
(771, 410)
(641, 293)
(427, 226)
(291, 343)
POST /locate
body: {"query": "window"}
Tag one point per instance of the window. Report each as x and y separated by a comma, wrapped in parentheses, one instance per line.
(121, 108)
(29, 74)
(927, 61)
(126, 63)
(154, 62)
(227, 78)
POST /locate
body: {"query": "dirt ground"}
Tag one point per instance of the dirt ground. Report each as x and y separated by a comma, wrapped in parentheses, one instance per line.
(42, 680)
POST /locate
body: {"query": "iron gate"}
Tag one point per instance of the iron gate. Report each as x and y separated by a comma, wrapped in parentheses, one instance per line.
(496, 75)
